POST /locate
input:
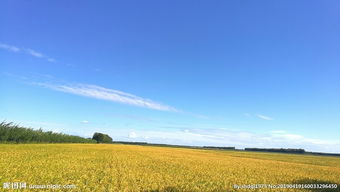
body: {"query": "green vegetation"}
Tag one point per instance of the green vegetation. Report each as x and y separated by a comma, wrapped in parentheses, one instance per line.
(12, 133)
(102, 138)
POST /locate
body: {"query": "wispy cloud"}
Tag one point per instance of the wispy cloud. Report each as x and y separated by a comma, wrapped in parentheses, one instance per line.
(34, 53)
(28, 51)
(132, 135)
(102, 93)
(9, 47)
(51, 60)
(264, 117)
(38, 55)
(85, 122)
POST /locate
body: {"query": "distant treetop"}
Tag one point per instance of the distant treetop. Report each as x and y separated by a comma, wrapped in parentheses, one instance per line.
(102, 138)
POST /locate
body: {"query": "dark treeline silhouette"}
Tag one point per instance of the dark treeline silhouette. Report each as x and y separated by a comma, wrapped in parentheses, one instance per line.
(326, 154)
(155, 144)
(12, 133)
(102, 138)
(130, 143)
(281, 150)
(223, 148)
(176, 146)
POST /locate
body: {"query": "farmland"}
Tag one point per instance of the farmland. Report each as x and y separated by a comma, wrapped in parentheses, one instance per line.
(116, 167)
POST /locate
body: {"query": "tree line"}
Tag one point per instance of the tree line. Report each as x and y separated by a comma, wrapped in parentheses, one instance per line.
(280, 150)
(12, 133)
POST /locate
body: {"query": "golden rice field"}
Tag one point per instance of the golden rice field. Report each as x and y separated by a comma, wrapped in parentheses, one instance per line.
(115, 167)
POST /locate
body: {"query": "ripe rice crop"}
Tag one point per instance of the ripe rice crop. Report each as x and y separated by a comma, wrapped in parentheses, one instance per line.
(115, 167)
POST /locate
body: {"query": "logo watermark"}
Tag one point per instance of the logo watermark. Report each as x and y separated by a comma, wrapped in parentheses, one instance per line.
(24, 185)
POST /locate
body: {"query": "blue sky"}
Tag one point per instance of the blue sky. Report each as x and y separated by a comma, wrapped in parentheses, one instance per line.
(227, 73)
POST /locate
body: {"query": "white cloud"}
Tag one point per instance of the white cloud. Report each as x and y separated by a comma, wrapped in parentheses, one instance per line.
(27, 51)
(264, 117)
(39, 55)
(9, 47)
(278, 131)
(85, 122)
(102, 93)
(51, 60)
(133, 135)
(34, 53)
(239, 139)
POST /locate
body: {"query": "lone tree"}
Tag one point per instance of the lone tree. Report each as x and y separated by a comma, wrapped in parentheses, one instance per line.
(102, 138)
